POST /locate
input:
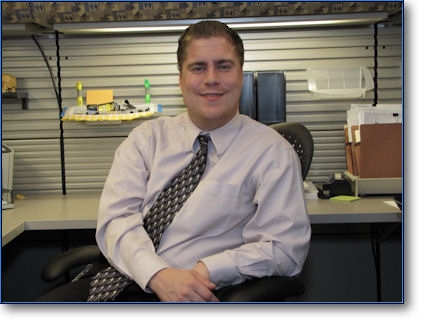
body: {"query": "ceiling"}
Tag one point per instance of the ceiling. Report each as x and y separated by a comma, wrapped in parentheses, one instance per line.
(42, 16)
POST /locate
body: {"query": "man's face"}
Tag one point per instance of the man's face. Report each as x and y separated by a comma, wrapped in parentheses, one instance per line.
(211, 80)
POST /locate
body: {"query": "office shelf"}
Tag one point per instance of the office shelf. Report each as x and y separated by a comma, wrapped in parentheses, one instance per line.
(13, 97)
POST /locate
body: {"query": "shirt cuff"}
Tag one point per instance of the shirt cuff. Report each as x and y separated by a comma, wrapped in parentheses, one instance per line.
(143, 270)
(222, 270)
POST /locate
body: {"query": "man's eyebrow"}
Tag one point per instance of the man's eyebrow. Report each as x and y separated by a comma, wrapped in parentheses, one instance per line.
(225, 61)
(220, 61)
(197, 63)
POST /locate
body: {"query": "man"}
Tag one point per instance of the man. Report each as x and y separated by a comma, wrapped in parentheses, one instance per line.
(247, 216)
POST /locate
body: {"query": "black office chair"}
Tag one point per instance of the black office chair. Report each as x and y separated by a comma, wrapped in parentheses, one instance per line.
(301, 140)
(268, 289)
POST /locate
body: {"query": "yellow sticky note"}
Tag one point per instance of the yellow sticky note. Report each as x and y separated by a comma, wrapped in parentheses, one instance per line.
(96, 97)
(344, 198)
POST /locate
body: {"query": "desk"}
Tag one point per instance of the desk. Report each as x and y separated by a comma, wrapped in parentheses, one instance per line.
(50, 212)
(79, 211)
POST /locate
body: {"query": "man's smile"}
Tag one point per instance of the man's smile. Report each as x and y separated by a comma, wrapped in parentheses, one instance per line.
(212, 96)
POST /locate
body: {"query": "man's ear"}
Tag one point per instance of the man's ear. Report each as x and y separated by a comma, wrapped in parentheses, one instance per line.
(179, 79)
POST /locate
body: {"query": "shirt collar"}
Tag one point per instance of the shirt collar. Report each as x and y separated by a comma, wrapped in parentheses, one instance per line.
(220, 137)
(192, 131)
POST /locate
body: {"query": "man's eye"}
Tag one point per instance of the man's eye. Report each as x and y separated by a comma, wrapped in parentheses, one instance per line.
(225, 67)
(197, 68)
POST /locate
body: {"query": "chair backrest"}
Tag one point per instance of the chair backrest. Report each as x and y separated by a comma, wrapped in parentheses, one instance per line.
(301, 140)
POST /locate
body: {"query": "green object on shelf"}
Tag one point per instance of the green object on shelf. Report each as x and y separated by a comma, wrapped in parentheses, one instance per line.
(146, 91)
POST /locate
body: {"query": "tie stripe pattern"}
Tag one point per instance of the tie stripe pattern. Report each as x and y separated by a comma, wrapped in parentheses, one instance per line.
(108, 283)
(172, 198)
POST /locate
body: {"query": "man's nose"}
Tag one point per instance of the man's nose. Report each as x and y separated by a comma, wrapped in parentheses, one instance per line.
(212, 76)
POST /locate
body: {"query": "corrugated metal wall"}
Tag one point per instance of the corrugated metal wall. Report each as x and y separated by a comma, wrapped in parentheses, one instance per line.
(122, 64)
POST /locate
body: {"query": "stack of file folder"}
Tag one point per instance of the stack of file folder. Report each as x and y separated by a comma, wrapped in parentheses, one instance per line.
(373, 138)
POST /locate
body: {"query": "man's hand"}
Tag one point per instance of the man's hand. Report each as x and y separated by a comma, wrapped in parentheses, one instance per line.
(183, 285)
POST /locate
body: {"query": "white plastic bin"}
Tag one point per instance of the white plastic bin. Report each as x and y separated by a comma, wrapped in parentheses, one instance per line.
(341, 82)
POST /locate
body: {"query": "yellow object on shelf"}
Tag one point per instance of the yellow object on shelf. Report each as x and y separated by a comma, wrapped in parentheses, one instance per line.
(97, 97)
(79, 93)
(8, 83)
(343, 198)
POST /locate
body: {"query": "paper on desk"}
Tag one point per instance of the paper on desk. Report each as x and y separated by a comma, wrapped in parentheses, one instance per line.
(311, 192)
(344, 198)
(391, 203)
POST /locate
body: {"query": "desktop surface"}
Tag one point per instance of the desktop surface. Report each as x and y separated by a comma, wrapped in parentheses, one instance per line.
(79, 211)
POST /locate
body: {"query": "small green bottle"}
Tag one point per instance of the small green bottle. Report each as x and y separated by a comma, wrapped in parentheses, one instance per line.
(146, 91)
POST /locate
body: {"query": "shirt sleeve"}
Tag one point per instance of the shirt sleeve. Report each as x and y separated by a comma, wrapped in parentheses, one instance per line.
(120, 233)
(276, 238)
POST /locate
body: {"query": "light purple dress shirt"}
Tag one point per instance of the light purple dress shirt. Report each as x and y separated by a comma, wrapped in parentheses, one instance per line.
(247, 217)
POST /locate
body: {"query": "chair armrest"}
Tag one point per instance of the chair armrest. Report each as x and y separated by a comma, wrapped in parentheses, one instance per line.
(70, 259)
(267, 289)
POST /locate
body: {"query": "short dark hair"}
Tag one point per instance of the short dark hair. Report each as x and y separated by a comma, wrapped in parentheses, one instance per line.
(208, 28)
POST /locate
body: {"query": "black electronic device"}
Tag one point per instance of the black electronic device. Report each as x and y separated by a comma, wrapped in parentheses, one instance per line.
(335, 186)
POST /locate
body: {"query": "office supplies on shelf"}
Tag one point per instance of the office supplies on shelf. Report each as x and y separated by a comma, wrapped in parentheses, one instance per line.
(8, 83)
(108, 117)
(146, 91)
(80, 100)
(96, 97)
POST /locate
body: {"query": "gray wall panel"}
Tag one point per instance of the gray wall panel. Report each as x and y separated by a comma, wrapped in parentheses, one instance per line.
(122, 64)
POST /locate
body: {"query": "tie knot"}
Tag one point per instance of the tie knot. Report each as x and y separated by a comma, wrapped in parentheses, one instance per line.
(203, 140)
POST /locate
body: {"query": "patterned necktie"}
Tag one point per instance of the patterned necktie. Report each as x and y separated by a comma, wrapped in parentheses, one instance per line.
(108, 283)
